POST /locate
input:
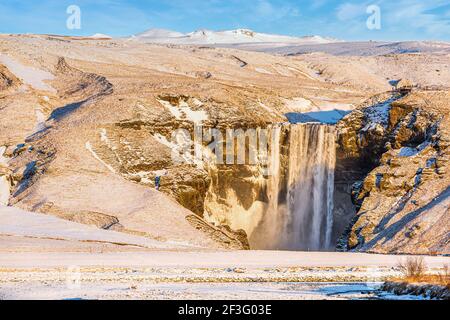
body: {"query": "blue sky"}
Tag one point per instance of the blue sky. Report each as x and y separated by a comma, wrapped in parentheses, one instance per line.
(400, 20)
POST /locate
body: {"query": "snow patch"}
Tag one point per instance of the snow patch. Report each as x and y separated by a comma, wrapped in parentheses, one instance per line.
(298, 104)
(91, 150)
(411, 152)
(407, 152)
(379, 113)
(197, 102)
(422, 146)
(325, 104)
(3, 160)
(29, 75)
(184, 112)
(262, 105)
(262, 70)
(182, 149)
(104, 138)
(40, 120)
(17, 222)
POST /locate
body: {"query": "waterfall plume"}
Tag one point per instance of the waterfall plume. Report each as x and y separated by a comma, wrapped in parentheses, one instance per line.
(299, 212)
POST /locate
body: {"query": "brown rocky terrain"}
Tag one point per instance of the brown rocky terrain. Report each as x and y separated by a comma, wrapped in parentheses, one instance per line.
(88, 128)
(403, 201)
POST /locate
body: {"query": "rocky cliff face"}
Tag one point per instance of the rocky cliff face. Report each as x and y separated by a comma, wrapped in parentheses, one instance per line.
(7, 79)
(142, 147)
(392, 151)
(403, 201)
(87, 145)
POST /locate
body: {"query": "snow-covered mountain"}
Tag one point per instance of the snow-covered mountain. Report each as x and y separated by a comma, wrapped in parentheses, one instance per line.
(100, 36)
(159, 34)
(224, 37)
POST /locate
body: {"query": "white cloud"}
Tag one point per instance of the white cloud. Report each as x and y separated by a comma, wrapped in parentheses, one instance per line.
(418, 17)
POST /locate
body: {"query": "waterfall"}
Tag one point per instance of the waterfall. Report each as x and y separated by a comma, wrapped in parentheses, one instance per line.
(299, 213)
(310, 186)
(270, 231)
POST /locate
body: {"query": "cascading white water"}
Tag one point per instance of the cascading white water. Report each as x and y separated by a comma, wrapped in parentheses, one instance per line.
(310, 186)
(299, 214)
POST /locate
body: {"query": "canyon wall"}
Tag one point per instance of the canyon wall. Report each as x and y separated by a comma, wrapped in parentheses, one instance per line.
(292, 207)
(399, 145)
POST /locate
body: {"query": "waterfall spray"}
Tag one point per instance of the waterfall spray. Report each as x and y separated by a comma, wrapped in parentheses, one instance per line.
(299, 213)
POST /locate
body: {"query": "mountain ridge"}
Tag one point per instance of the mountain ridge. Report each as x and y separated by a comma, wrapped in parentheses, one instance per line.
(205, 36)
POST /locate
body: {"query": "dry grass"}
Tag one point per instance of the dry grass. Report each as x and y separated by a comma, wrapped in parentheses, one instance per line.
(444, 276)
(414, 271)
(413, 267)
